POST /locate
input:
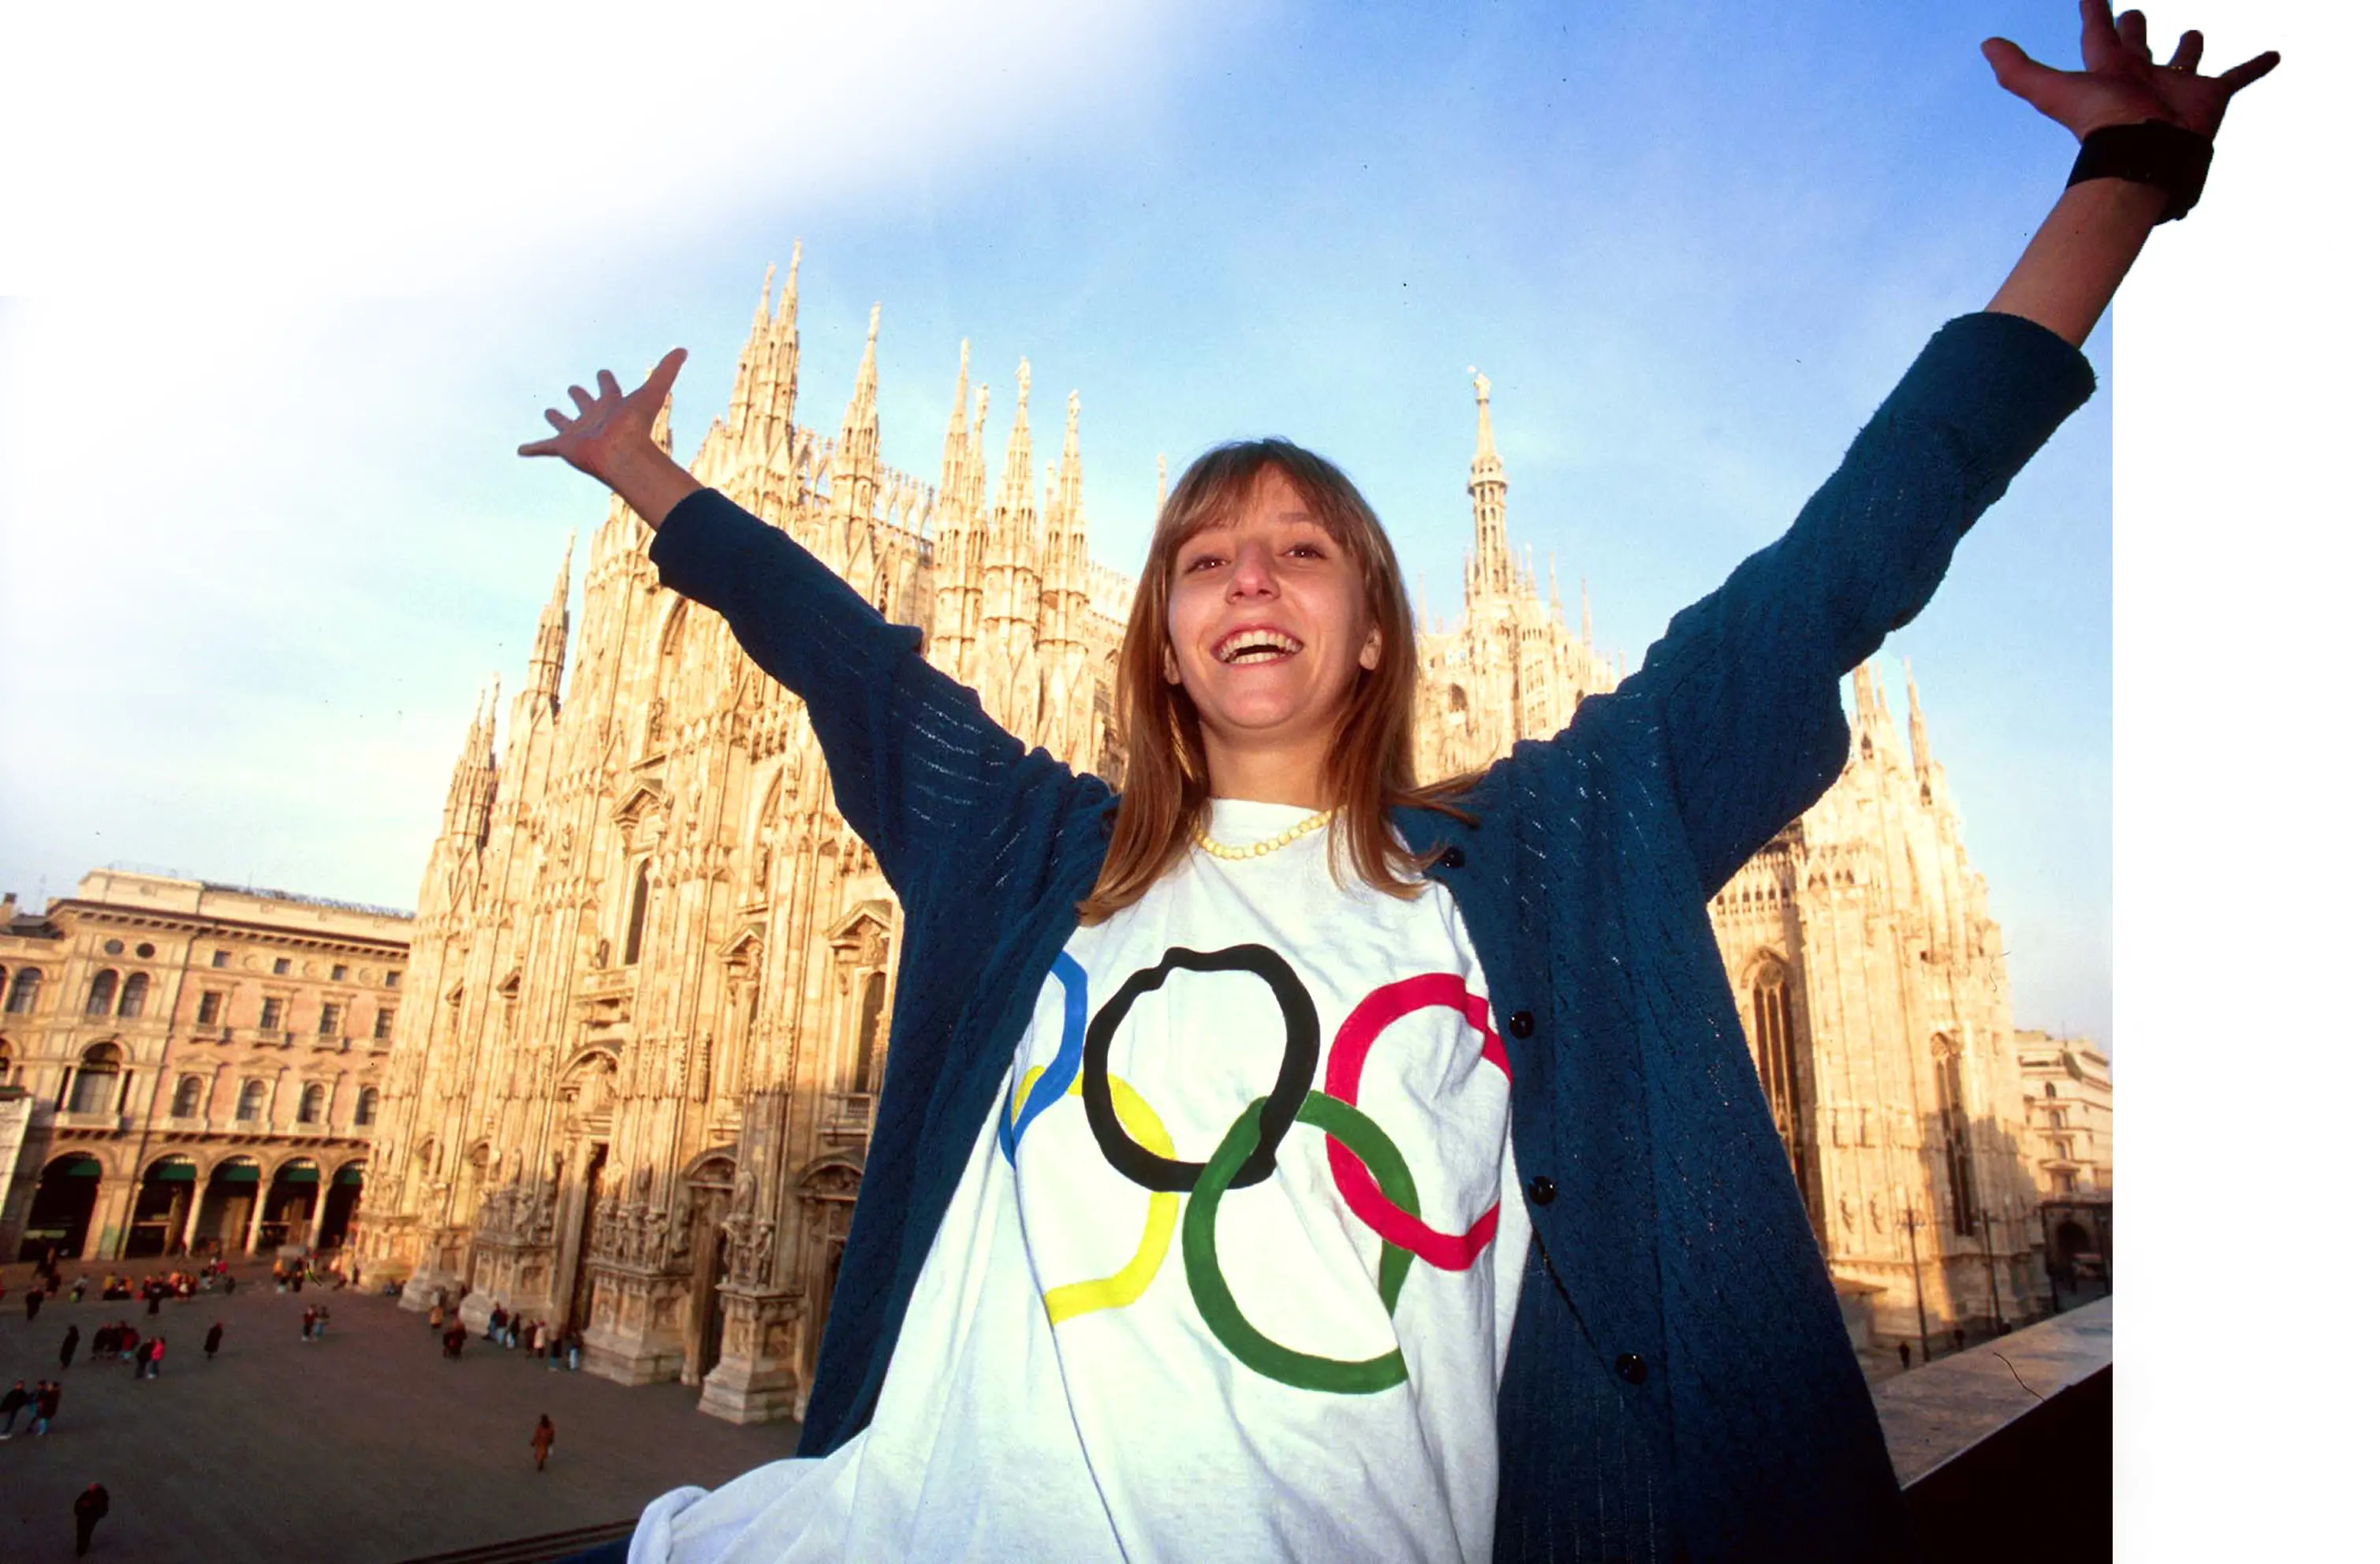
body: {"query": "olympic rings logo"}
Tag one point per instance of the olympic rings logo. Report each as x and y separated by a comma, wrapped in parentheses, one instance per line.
(1368, 1170)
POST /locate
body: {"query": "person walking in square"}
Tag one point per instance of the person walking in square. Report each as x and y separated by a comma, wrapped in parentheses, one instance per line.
(541, 1441)
(321, 1320)
(89, 1506)
(14, 1402)
(215, 1340)
(306, 1324)
(47, 1394)
(156, 1356)
(66, 1348)
(32, 1303)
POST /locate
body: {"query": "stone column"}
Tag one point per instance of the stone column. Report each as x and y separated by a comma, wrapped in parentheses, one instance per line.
(758, 1378)
(191, 1218)
(256, 1213)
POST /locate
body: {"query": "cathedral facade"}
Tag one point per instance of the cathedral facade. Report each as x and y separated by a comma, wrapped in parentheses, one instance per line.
(634, 1081)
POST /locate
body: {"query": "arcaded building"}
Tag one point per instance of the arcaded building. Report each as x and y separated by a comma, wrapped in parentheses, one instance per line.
(201, 1065)
(634, 1083)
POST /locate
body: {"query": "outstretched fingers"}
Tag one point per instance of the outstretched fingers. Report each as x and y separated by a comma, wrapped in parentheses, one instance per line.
(2187, 51)
(2239, 76)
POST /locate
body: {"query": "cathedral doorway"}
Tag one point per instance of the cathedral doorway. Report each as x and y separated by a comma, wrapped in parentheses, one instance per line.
(61, 1208)
(828, 1192)
(161, 1212)
(582, 1238)
(712, 1187)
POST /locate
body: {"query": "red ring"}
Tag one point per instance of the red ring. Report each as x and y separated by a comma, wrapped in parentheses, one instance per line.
(1342, 1078)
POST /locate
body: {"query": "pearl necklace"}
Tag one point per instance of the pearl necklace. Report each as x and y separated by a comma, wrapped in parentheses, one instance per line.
(1306, 826)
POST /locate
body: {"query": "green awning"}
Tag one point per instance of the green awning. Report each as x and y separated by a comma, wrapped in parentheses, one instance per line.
(298, 1175)
(175, 1173)
(236, 1173)
(77, 1166)
(349, 1175)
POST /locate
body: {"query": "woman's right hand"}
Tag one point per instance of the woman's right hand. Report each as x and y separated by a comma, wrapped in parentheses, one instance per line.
(610, 440)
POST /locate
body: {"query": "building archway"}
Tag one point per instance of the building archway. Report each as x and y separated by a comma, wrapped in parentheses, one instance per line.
(339, 1204)
(226, 1202)
(161, 1211)
(289, 1202)
(63, 1203)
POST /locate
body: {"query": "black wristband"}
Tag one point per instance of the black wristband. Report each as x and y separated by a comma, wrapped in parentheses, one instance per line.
(2153, 152)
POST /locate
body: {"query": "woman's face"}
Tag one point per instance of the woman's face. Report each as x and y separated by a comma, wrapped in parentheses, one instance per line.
(1266, 627)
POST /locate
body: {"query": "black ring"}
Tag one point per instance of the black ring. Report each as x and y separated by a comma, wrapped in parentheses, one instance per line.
(1301, 1054)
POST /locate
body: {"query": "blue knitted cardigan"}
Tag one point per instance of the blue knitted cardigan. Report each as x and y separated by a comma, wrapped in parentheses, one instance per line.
(1679, 1383)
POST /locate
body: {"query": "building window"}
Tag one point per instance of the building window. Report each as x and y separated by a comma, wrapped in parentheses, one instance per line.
(102, 994)
(310, 1106)
(632, 944)
(382, 1021)
(186, 1097)
(136, 997)
(871, 1017)
(367, 1105)
(2049, 1089)
(221, 958)
(252, 1101)
(144, 949)
(268, 1018)
(281, 966)
(24, 991)
(1777, 1062)
(338, 973)
(2063, 1182)
(328, 1026)
(388, 979)
(209, 1007)
(113, 947)
(1956, 1148)
(95, 1080)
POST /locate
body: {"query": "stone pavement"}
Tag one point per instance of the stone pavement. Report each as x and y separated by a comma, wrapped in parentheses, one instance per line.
(365, 1446)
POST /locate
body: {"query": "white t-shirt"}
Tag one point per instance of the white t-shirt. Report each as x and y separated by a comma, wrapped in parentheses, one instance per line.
(1119, 1348)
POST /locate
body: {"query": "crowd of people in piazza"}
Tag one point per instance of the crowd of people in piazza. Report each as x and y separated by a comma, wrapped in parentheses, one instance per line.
(560, 1347)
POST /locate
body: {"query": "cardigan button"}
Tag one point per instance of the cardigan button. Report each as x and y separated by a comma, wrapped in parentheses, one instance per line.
(1630, 1368)
(1520, 1024)
(1452, 858)
(1541, 1190)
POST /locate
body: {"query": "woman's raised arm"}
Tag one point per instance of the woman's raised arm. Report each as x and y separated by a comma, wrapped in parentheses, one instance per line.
(2156, 120)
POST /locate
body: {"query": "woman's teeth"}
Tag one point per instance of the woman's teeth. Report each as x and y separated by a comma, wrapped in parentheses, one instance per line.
(1259, 646)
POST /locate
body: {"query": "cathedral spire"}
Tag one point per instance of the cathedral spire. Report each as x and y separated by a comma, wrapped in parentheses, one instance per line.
(1921, 756)
(857, 472)
(751, 363)
(1495, 556)
(553, 632)
(1012, 514)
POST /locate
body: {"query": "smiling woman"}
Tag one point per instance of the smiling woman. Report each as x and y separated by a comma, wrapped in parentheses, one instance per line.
(1539, 1281)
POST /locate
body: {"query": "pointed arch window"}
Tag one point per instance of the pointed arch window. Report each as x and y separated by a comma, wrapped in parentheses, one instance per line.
(24, 991)
(1777, 1056)
(632, 942)
(187, 1095)
(871, 1021)
(1957, 1148)
(134, 997)
(95, 1079)
(102, 994)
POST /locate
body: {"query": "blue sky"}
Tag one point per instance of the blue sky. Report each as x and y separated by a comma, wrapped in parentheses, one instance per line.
(263, 387)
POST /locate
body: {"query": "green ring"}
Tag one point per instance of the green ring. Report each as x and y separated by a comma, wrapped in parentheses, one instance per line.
(1351, 1128)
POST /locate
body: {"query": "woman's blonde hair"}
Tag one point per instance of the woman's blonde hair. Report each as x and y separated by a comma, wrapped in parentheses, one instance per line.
(1370, 771)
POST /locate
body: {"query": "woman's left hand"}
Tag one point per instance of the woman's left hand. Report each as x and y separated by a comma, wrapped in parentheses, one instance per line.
(2121, 83)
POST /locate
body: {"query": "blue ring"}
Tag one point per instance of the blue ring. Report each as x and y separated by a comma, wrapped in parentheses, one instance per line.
(1051, 1087)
